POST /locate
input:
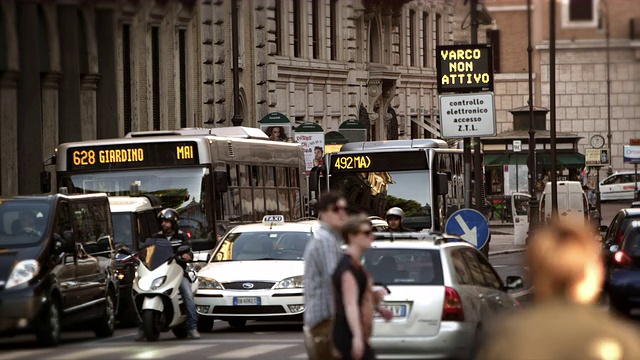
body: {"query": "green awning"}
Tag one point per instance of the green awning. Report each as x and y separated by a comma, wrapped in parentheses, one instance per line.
(572, 160)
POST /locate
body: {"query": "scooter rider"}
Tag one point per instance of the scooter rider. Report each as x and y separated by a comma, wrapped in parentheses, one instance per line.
(169, 223)
(395, 217)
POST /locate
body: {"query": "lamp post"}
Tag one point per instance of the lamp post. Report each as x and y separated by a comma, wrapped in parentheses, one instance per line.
(607, 36)
(533, 202)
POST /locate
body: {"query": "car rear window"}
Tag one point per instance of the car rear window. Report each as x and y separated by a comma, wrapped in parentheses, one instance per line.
(632, 242)
(404, 266)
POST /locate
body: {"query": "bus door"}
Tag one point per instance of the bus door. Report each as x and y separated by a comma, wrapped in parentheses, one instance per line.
(520, 215)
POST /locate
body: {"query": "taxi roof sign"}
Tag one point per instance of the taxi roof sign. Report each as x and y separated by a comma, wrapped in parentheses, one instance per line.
(270, 219)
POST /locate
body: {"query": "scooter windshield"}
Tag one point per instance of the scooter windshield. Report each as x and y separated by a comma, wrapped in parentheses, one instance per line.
(156, 253)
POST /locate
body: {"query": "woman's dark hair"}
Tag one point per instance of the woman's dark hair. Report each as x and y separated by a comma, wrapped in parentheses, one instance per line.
(328, 201)
(353, 226)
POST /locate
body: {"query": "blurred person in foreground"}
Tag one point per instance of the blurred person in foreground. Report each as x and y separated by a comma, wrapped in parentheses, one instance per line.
(353, 296)
(563, 322)
(320, 259)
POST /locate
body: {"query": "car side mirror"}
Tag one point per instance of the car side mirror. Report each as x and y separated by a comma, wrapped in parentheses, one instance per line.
(603, 228)
(513, 282)
(614, 248)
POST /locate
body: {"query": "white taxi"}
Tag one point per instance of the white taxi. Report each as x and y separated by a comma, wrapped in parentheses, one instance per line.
(256, 272)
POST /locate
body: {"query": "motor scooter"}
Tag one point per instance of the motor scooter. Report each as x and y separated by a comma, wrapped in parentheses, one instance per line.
(156, 289)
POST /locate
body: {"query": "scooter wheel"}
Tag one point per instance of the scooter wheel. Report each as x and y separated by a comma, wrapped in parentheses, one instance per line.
(151, 324)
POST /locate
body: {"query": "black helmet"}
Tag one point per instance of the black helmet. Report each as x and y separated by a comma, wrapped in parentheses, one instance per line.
(171, 215)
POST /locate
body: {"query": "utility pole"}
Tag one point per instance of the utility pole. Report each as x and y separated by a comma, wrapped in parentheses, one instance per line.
(552, 106)
(533, 202)
(477, 157)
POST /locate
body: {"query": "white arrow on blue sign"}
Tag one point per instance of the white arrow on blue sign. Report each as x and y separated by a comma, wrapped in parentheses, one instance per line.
(470, 225)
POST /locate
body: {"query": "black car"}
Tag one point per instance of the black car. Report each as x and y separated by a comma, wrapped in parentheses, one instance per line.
(616, 229)
(57, 265)
(623, 273)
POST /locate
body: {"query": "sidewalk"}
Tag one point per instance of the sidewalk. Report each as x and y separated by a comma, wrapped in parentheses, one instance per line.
(502, 239)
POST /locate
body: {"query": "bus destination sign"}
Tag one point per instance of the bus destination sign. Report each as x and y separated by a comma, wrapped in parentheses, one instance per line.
(464, 68)
(373, 162)
(124, 156)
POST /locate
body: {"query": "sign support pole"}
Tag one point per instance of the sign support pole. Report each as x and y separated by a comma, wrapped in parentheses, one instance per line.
(635, 189)
(466, 157)
(598, 218)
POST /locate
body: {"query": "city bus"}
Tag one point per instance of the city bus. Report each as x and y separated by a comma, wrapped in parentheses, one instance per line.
(215, 178)
(424, 177)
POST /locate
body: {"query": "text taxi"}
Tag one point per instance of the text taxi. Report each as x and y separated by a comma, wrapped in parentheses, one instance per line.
(255, 273)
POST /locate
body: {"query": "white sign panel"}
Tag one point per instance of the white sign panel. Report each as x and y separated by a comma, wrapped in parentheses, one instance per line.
(467, 115)
(632, 154)
(313, 145)
(517, 145)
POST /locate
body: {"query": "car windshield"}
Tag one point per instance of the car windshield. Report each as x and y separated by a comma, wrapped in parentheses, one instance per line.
(404, 266)
(122, 228)
(23, 223)
(263, 245)
(156, 253)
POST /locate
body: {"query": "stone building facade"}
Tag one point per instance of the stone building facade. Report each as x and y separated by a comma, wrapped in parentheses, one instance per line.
(81, 70)
(581, 67)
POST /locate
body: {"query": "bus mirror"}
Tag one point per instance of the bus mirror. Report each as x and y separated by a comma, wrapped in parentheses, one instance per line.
(220, 179)
(443, 187)
(45, 181)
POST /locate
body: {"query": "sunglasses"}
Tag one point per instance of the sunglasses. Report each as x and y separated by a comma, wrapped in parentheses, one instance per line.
(367, 233)
(339, 208)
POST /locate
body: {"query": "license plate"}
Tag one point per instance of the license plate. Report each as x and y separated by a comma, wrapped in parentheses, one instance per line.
(240, 301)
(399, 311)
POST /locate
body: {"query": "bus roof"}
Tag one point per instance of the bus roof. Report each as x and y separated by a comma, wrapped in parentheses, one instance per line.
(395, 144)
(231, 132)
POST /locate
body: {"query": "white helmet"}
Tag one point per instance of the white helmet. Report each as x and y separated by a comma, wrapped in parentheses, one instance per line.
(395, 211)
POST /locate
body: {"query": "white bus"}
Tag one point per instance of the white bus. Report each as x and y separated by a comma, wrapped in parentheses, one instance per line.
(214, 178)
(424, 177)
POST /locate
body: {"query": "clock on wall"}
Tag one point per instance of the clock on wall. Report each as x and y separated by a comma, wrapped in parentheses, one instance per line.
(597, 141)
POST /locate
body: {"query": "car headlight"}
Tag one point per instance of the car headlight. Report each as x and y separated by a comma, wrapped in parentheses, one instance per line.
(22, 272)
(208, 284)
(294, 282)
(156, 283)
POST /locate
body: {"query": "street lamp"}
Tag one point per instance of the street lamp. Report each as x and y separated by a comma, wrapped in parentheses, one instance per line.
(607, 36)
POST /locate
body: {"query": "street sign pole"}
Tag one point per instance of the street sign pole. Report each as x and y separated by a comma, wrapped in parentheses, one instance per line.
(635, 189)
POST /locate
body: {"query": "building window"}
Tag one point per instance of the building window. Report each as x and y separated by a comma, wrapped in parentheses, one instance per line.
(333, 31)
(278, 20)
(374, 42)
(126, 76)
(412, 34)
(155, 75)
(425, 39)
(315, 28)
(579, 13)
(438, 29)
(297, 29)
(183, 76)
(493, 38)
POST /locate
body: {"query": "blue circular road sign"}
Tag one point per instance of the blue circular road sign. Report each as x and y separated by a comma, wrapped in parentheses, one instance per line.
(470, 225)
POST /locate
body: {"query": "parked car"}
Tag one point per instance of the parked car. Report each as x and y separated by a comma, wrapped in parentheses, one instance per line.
(623, 273)
(256, 272)
(442, 291)
(134, 220)
(59, 268)
(619, 186)
(615, 231)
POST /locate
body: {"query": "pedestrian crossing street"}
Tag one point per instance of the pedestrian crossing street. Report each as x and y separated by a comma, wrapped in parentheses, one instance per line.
(168, 349)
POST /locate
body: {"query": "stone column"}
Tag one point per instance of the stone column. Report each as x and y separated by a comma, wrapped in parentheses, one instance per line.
(70, 116)
(29, 119)
(88, 87)
(50, 108)
(107, 95)
(8, 133)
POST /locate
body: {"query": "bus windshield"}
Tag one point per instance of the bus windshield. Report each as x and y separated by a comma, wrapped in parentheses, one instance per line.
(183, 189)
(374, 192)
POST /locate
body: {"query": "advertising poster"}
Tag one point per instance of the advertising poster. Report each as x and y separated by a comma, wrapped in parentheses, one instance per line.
(311, 137)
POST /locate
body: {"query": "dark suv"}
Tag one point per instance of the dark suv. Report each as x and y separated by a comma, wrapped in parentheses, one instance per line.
(614, 232)
(56, 265)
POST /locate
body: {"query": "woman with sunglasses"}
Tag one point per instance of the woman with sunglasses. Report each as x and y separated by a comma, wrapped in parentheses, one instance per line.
(354, 301)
